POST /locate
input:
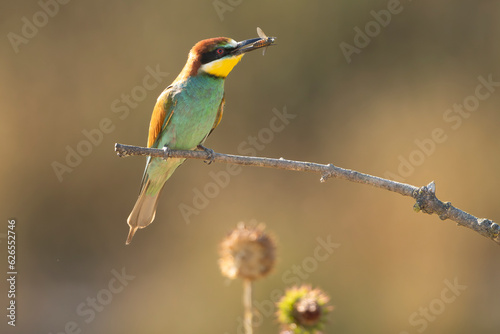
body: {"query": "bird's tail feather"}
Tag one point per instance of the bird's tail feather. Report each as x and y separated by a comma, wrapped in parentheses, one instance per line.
(143, 212)
(144, 209)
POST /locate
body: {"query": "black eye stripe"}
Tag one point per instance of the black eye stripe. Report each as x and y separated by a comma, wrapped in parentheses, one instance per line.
(207, 57)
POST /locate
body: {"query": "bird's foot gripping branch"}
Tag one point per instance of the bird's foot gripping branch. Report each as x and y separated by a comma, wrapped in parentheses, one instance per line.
(426, 200)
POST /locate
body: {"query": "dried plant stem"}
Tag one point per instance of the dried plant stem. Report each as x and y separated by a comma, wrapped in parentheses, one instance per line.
(247, 303)
(426, 200)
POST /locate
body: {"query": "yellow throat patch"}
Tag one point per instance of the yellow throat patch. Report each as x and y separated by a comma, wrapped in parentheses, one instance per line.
(221, 67)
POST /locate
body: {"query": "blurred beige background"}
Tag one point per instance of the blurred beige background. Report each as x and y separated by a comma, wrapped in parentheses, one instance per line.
(390, 264)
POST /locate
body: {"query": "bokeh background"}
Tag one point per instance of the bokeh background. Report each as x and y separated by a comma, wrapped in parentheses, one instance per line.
(364, 114)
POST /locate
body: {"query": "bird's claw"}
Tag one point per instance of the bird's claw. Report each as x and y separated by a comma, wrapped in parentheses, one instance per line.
(166, 149)
(210, 152)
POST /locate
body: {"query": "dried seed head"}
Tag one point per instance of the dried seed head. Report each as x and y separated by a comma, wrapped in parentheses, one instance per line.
(303, 310)
(247, 252)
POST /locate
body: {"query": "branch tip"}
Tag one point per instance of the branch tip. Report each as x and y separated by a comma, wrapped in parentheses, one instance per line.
(119, 150)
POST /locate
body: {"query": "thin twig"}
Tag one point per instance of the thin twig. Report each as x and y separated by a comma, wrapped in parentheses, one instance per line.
(426, 200)
(247, 303)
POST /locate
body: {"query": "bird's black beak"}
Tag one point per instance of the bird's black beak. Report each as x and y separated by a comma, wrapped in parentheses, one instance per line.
(252, 44)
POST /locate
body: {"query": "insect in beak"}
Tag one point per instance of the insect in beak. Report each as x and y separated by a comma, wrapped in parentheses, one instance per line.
(265, 39)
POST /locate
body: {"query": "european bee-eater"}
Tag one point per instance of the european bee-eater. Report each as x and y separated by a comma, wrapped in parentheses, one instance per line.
(185, 114)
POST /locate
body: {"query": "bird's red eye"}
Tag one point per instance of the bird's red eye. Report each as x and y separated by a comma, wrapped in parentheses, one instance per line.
(220, 51)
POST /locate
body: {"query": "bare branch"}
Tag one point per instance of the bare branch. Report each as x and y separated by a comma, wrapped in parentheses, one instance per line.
(426, 200)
